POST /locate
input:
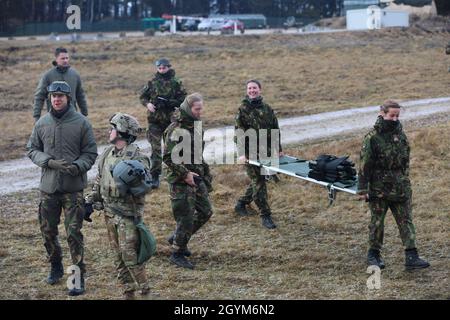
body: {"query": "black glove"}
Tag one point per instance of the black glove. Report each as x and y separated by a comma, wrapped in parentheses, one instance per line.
(72, 169)
(57, 164)
(88, 210)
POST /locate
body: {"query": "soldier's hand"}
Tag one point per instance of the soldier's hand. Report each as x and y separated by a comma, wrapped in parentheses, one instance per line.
(190, 179)
(151, 107)
(72, 169)
(88, 210)
(364, 197)
(57, 164)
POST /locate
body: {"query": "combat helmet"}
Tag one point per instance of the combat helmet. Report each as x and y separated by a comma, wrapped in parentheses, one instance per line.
(60, 87)
(127, 126)
(131, 177)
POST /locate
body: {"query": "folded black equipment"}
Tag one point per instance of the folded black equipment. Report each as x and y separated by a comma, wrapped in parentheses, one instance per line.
(332, 169)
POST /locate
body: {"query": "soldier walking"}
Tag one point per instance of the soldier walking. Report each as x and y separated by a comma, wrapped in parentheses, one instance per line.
(384, 182)
(61, 71)
(189, 178)
(255, 114)
(123, 210)
(161, 96)
(63, 145)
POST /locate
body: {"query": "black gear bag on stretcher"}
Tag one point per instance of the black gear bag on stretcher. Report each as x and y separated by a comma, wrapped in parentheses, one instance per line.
(336, 174)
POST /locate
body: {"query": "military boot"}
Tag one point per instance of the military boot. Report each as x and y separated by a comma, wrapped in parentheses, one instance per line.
(78, 291)
(412, 260)
(240, 209)
(155, 182)
(180, 260)
(56, 273)
(374, 258)
(186, 251)
(268, 222)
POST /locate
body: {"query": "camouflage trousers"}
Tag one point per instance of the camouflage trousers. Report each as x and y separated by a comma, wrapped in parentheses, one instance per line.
(191, 209)
(154, 135)
(403, 216)
(257, 190)
(50, 208)
(124, 239)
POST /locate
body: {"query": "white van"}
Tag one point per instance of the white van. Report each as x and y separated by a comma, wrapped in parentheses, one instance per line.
(211, 24)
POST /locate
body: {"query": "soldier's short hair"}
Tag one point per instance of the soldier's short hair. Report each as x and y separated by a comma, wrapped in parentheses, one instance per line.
(388, 104)
(60, 50)
(254, 81)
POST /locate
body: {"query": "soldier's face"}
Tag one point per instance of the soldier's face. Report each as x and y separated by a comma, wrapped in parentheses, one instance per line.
(162, 69)
(253, 90)
(392, 114)
(59, 101)
(197, 109)
(62, 59)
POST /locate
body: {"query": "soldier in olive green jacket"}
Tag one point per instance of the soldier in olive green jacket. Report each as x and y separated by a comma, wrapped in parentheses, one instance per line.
(63, 145)
(61, 71)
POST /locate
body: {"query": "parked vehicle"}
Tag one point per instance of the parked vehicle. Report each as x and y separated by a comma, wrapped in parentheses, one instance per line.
(228, 27)
(211, 24)
(190, 25)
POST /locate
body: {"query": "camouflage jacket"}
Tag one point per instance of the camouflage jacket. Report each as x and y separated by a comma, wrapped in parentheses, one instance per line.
(166, 92)
(184, 125)
(255, 115)
(384, 163)
(69, 75)
(104, 190)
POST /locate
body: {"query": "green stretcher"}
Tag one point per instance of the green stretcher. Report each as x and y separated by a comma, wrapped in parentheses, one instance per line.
(299, 168)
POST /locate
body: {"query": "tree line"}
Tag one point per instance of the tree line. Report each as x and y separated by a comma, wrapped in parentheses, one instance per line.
(17, 12)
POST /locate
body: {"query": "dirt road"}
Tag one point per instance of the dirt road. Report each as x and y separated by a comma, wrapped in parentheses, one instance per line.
(22, 174)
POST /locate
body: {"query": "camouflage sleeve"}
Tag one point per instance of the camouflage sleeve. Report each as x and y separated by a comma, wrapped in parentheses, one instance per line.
(81, 98)
(39, 96)
(179, 95)
(365, 166)
(277, 126)
(239, 139)
(178, 169)
(145, 94)
(35, 149)
(408, 150)
(94, 196)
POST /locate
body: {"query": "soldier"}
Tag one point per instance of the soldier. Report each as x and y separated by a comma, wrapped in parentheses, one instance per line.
(122, 211)
(63, 145)
(384, 183)
(62, 71)
(161, 96)
(189, 180)
(255, 114)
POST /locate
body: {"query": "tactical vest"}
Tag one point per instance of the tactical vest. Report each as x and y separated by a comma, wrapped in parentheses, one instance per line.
(108, 188)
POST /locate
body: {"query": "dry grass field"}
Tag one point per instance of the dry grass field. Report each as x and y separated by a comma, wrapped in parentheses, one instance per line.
(301, 74)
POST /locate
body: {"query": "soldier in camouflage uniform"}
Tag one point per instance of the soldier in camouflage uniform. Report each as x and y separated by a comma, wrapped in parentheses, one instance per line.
(63, 145)
(161, 96)
(122, 213)
(383, 181)
(189, 178)
(255, 114)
